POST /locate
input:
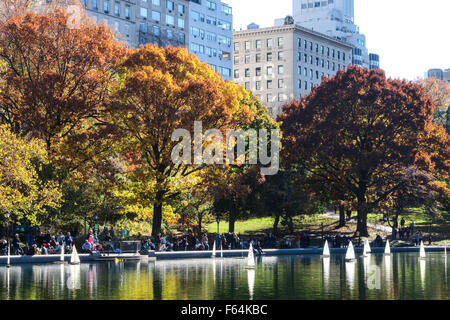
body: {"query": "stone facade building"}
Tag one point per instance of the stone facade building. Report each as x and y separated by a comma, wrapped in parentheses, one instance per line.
(279, 64)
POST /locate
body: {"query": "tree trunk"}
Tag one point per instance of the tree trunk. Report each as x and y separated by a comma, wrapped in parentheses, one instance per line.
(341, 217)
(275, 225)
(200, 226)
(232, 219)
(394, 226)
(157, 218)
(291, 225)
(362, 223)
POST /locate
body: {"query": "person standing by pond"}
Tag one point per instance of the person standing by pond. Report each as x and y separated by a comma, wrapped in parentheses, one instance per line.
(17, 249)
(68, 240)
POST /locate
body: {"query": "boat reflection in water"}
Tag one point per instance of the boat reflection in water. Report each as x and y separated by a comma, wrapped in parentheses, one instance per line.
(285, 277)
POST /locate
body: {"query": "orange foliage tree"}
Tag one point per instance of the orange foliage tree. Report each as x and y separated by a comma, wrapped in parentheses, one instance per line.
(161, 90)
(54, 78)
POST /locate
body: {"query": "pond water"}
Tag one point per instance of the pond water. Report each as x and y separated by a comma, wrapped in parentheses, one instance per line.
(400, 276)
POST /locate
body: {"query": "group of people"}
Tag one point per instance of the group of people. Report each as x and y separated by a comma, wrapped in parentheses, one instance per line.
(338, 241)
(42, 244)
(224, 241)
(45, 243)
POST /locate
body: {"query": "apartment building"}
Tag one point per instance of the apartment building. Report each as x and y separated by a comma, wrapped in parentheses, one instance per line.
(282, 63)
(440, 74)
(204, 27)
(211, 34)
(334, 18)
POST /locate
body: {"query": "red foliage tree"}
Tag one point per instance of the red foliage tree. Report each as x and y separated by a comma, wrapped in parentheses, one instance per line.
(358, 131)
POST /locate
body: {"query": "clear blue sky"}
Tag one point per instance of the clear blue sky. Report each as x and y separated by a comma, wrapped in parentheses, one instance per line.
(411, 36)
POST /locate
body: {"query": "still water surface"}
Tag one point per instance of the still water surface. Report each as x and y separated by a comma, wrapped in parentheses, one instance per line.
(400, 276)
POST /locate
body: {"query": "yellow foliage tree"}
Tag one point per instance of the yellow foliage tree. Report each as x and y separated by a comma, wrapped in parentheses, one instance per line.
(22, 194)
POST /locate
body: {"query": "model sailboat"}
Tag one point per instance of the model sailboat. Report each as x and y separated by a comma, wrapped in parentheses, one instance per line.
(387, 249)
(251, 258)
(422, 254)
(74, 259)
(350, 255)
(214, 250)
(326, 250)
(366, 250)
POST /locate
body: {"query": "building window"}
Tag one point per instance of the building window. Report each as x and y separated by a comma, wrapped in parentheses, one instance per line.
(269, 84)
(236, 73)
(247, 45)
(280, 69)
(280, 83)
(280, 55)
(181, 8)
(236, 46)
(258, 71)
(236, 59)
(247, 59)
(247, 86)
(280, 42)
(143, 27)
(258, 85)
(117, 9)
(106, 6)
(269, 43)
(156, 2)
(144, 13)
(170, 20)
(156, 16)
(269, 56)
(247, 73)
(269, 71)
(258, 44)
(170, 5)
(258, 57)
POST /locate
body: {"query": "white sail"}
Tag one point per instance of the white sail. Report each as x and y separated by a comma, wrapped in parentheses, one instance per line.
(214, 250)
(221, 250)
(326, 249)
(61, 258)
(251, 258)
(74, 259)
(350, 255)
(422, 251)
(366, 248)
(387, 249)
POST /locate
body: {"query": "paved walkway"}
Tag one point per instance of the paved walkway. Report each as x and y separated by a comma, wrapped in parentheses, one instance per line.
(335, 216)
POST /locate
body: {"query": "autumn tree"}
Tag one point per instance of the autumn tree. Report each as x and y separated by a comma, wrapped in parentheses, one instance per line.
(55, 77)
(160, 91)
(22, 193)
(358, 131)
(439, 91)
